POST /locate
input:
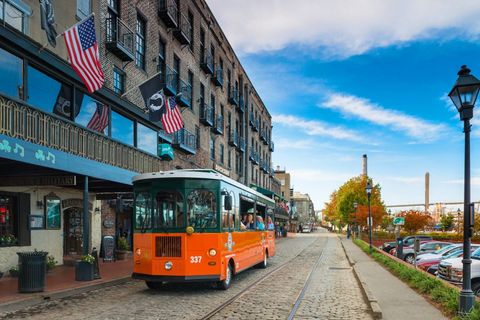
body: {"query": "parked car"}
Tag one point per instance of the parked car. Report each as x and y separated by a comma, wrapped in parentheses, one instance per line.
(438, 254)
(431, 265)
(407, 241)
(425, 247)
(306, 229)
(451, 270)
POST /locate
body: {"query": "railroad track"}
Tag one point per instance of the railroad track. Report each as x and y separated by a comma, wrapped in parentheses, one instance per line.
(269, 274)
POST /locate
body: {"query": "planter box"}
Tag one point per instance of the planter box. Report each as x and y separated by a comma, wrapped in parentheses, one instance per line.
(83, 271)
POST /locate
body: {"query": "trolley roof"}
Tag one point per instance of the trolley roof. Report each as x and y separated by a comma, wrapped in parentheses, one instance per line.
(196, 174)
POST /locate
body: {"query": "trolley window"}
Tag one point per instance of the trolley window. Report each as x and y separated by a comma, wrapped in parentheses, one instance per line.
(168, 210)
(143, 211)
(202, 211)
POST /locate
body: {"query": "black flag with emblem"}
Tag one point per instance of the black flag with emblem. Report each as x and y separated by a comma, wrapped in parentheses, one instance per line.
(152, 93)
(47, 16)
(63, 103)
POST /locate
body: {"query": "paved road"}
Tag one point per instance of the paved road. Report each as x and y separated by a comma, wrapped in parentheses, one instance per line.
(332, 293)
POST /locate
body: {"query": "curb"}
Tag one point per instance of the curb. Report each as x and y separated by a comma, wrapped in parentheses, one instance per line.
(13, 306)
(372, 301)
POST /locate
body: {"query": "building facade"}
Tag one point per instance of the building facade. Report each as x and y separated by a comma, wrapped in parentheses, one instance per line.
(51, 157)
(284, 178)
(304, 209)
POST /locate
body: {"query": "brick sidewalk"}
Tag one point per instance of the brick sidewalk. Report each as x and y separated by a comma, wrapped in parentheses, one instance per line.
(62, 279)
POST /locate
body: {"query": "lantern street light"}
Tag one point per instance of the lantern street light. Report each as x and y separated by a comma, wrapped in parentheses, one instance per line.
(355, 231)
(368, 189)
(464, 95)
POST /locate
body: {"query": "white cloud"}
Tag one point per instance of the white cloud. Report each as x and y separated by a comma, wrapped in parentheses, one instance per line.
(344, 27)
(318, 128)
(366, 110)
(475, 181)
(407, 180)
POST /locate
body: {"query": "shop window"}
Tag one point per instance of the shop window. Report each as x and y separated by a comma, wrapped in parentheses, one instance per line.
(8, 223)
(147, 139)
(14, 215)
(48, 94)
(84, 8)
(15, 13)
(122, 128)
(11, 69)
(93, 115)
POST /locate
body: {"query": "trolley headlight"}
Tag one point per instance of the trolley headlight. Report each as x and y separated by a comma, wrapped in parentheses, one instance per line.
(168, 265)
(212, 252)
(138, 252)
(189, 230)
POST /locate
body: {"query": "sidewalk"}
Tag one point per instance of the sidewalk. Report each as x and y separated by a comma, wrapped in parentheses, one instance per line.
(396, 299)
(60, 282)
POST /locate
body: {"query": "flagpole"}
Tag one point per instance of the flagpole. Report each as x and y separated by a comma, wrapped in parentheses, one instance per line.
(61, 34)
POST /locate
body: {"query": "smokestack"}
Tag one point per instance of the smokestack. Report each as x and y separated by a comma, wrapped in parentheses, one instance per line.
(365, 165)
(427, 191)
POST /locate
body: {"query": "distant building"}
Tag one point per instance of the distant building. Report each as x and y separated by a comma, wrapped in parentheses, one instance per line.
(304, 208)
(284, 178)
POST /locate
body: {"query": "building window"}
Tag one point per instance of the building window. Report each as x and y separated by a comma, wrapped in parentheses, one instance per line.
(84, 8)
(118, 81)
(212, 101)
(8, 221)
(15, 13)
(93, 115)
(212, 148)
(122, 128)
(11, 69)
(202, 45)
(190, 20)
(140, 43)
(147, 139)
(14, 219)
(197, 134)
(176, 71)
(190, 82)
(222, 153)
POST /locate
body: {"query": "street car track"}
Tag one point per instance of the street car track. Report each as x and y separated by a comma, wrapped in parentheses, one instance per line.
(299, 298)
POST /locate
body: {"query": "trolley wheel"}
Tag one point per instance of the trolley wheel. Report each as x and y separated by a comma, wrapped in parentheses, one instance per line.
(153, 285)
(264, 263)
(225, 283)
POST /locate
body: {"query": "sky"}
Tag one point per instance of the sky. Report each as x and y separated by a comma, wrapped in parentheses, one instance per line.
(347, 78)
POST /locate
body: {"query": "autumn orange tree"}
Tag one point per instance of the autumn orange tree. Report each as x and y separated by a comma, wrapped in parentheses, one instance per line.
(414, 220)
(340, 209)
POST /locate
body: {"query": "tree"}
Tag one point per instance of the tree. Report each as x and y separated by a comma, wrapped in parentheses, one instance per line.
(414, 220)
(447, 222)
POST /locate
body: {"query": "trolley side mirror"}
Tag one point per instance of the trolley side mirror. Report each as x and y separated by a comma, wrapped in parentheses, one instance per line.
(227, 202)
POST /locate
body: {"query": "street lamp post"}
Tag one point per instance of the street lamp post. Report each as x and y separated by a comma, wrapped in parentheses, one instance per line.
(355, 233)
(464, 95)
(368, 189)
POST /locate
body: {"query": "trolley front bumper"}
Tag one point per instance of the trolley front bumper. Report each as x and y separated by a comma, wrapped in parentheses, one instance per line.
(176, 279)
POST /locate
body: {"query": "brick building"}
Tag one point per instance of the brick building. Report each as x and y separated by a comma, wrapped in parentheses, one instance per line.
(45, 111)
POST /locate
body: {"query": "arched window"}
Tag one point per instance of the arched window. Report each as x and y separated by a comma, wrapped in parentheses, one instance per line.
(201, 211)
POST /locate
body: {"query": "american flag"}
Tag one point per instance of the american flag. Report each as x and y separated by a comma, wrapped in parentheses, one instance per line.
(99, 119)
(172, 118)
(82, 50)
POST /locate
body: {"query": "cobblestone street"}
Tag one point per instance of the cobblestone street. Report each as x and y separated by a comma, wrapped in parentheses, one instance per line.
(332, 293)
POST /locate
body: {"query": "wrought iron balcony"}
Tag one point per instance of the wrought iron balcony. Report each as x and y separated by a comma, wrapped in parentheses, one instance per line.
(253, 155)
(185, 140)
(233, 138)
(207, 114)
(233, 96)
(184, 30)
(171, 81)
(218, 78)
(251, 120)
(241, 144)
(186, 94)
(272, 172)
(256, 125)
(241, 104)
(168, 12)
(263, 136)
(207, 64)
(119, 39)
(218, 125)
(23, 122)
(271, 146)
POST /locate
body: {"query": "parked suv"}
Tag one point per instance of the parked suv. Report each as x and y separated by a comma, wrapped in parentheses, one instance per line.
(407, 241)
(451, 270)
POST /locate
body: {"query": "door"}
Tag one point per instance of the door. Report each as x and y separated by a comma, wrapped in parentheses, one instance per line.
(73, 231)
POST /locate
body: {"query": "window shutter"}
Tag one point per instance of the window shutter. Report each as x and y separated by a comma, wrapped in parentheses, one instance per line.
(23, 214)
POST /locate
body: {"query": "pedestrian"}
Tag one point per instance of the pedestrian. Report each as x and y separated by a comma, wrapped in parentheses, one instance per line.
(348, 232)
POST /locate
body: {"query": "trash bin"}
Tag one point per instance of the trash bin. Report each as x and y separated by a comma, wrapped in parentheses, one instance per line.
(32, 267)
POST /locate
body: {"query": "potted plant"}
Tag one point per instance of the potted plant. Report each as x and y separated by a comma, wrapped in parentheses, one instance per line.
(84, 268)
(51, 263)
(13, 271)
(122, 248)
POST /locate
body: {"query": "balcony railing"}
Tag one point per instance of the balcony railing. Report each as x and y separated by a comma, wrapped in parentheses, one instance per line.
(119, 38)
(185, 140)
(272, 172)
(256, 124)
(207, 114)
(241, 104)
(183, 31)
(218, 78)
(219, 124)
(271, 146)
(207, 64)
(233, 96)
(241, 144)
(233, 138)
(251, 120)
(253, 156)
(263, 135)
(168, 12)
(32, 125)
(171, 81)
(186, 96)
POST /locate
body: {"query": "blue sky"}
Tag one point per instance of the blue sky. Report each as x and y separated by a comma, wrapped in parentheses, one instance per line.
(352, 77)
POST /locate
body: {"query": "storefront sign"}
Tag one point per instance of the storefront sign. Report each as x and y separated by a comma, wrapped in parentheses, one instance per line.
(165, 151)
(67, 203)
(108, 248)
(39, 181)
(221, 170)
(108, 223)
